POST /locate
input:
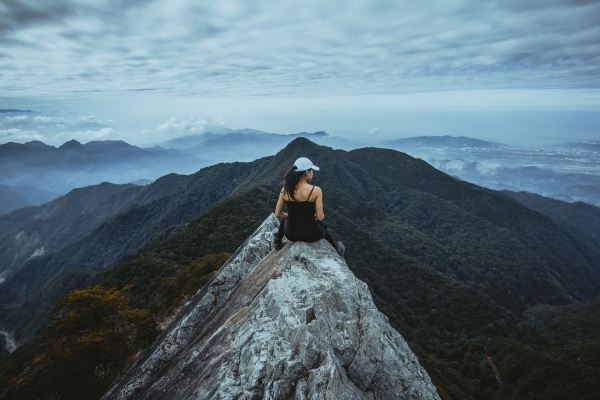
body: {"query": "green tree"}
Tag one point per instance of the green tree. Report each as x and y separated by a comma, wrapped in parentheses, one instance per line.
(95, 335)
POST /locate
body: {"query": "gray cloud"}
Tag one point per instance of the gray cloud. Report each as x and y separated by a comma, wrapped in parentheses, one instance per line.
(18, 14)
(240, 48)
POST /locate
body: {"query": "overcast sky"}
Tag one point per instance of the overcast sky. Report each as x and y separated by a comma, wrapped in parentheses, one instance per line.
(521, 72)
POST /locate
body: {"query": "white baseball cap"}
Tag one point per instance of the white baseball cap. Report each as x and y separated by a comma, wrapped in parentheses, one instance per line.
(303, 163)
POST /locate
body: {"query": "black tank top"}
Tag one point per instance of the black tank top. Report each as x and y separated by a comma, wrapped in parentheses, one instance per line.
(301, 222)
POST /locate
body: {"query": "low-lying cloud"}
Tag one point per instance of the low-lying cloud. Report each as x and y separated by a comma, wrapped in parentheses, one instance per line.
(462, 167)
(86, 136)
(190, 125)
(18, 135)
(54, 128)
(40, 118)
(16, 118)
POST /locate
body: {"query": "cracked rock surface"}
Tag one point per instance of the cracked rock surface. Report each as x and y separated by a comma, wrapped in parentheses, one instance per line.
(288, 324)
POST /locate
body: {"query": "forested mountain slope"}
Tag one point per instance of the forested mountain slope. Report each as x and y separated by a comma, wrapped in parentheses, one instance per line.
(13, 197)
(517, 256)
(33, 231)
(169, 201)
(429, 308)
(581, 217)
(447, 261)
(505, 249)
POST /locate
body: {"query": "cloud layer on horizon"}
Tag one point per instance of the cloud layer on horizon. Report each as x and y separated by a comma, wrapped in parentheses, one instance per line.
(54, 129)
(60, 127)
(238, 48)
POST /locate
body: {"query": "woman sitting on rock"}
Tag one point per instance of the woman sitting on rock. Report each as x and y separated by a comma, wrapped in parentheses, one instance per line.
(301, 224)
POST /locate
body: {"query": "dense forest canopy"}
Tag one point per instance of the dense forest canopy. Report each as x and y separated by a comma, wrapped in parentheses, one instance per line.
(481, 283)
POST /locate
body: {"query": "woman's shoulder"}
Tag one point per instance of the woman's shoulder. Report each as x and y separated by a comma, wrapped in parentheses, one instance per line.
(315, 192)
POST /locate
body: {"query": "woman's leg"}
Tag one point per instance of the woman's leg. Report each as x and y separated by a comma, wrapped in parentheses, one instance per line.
(327, 235)
(338, 246)
(280, 232)
(278, 238)
(330, 239)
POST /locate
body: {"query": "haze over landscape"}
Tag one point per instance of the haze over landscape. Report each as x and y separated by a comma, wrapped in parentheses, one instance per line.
(521, 74)
(142, 146)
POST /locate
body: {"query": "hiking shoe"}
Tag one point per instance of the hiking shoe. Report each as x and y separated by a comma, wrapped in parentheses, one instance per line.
(276, 243)
(341, 249)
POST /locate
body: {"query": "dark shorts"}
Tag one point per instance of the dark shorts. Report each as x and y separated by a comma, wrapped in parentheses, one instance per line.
(310, 236)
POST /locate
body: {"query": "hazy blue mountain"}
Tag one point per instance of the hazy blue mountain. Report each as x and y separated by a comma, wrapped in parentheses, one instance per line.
(76, 165)
(184, 142)
(189, 141)
(238, 146)
(13, 197)
(248, 144)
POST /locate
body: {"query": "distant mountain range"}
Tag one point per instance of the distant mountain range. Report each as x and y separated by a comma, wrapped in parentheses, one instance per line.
(437, 142)
(566, 172)
(189, 141)
(75, 165)
(462, 272)
(248, 144)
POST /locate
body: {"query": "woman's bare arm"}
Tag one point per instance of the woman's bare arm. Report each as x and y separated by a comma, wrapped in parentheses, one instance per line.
(319, 204)
(279, 209)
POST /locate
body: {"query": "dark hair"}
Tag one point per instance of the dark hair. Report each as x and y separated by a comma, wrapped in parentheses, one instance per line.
(291, 179)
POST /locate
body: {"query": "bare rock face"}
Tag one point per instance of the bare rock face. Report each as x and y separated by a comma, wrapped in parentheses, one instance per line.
(288, 324)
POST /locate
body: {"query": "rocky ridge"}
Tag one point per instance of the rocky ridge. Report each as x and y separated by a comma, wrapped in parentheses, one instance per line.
(289, 324)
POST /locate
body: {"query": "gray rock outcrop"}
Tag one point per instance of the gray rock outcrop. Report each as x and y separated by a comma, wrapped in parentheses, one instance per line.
(288, 324)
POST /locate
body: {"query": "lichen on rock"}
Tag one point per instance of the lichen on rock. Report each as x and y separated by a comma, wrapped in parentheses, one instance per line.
(288, 324)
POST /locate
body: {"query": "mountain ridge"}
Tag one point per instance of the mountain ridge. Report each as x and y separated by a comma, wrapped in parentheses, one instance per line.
(441, 141)
(75, 165)
(274, 324)
(421, 299)
(502, 232)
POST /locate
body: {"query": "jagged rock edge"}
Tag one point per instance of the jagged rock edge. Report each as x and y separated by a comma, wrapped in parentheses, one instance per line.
(379, 329)
(148, 368)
